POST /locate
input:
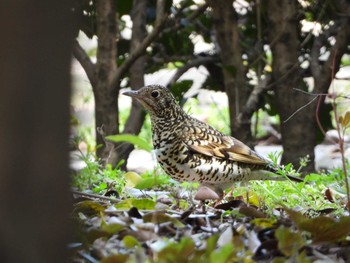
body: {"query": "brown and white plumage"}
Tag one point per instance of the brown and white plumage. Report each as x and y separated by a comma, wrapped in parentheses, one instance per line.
(191, 150)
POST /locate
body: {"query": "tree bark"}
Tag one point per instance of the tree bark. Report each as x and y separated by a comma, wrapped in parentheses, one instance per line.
(226, 28)
(137, 72)
(298, 133)
(105, 94)
(322, 74)
(34, 115)
(105, 76)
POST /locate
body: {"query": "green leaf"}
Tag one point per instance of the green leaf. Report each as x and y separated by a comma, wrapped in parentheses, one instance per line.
(123, 7)
(117, 258)
(288, 242)
(88, 207)
(186, 247)
(145, 184)
(180, 88)
(132, 179)
(141, 204)
(111, 228)
(322, 228)
(223, 255)
(133, 139)
(178, 252)
(344, 121)
(130, 242)
(264, 222)
(159, 217)
(100, 187)
(211, 244)
(148, 183)
(326, 229)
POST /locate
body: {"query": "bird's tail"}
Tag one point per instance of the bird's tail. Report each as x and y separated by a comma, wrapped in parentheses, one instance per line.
(269, 172)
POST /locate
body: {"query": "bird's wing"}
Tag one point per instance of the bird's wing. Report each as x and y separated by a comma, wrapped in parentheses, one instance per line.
(202, 138)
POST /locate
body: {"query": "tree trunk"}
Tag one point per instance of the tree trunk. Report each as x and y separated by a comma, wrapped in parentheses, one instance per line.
(34, 116)
(137, 72)
(226, 28)
(298, 133)
(323, 74)
(106, 97)
(105, 77)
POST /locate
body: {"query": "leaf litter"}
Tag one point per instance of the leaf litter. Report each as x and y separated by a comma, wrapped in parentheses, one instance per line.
(157, 229)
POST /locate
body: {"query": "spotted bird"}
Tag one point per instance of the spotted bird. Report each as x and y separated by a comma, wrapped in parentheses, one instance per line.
(190, 150)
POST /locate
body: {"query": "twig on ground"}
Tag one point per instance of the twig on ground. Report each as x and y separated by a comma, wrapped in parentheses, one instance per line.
(95, 196)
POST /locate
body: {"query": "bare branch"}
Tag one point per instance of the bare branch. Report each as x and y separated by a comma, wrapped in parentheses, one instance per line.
(160, 9)
(85, 61)
(194, 63)
(95, 196)
(299, 109)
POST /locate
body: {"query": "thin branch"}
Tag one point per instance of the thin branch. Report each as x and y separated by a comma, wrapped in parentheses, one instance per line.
(85, 61)
(194, 63)
(95, 196)
(318, 121)
(318, 96)
(341, 137)
(161, 19)
(309, 93)
(301, 108)
(160, 10)
(163, 58)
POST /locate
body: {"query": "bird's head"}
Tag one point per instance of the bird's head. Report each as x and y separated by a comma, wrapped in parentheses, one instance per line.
(156, 99)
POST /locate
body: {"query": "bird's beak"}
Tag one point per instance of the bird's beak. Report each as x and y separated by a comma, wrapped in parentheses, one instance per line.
(131, 93)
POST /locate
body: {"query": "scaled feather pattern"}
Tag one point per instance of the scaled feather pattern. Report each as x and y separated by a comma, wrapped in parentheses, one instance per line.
(190, 150)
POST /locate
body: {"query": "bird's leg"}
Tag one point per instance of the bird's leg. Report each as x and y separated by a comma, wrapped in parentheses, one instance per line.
(202, 203)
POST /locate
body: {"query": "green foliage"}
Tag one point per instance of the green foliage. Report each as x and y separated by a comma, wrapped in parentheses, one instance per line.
(289, 242)
(154, 180)
(142, 204)
(171, 40)
(180, 88)
(309, 194)
(94, 176)
(219, 120)
(124, 7)
(185, 251)
(84, 135)
(322, 228)
(133, 139)
(344, 121)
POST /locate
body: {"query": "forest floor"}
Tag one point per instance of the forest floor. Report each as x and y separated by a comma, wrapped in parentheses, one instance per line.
(145, 216)
(151, 218)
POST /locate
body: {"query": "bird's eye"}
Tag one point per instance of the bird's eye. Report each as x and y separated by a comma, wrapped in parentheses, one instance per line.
(155, 93)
